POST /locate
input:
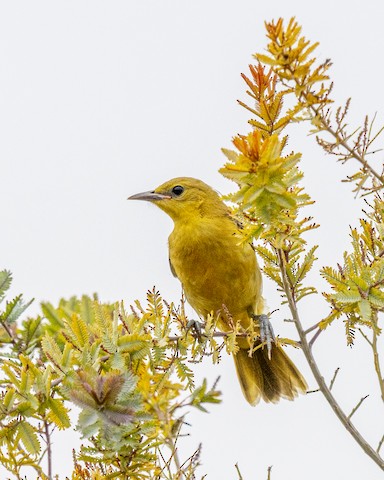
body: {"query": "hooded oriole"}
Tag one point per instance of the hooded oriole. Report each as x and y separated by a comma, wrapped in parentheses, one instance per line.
(216, 269)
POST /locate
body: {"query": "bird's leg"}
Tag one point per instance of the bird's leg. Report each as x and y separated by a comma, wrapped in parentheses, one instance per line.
(267, 335)
(195, 326)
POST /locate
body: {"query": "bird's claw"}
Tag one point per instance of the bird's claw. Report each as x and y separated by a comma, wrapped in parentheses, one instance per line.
(195, 326)
(267, 335)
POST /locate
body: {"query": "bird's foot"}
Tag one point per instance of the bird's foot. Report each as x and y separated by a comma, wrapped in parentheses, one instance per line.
(267, 335)
(196, 327)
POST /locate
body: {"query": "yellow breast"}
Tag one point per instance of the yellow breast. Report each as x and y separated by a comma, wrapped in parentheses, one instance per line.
(214, 267)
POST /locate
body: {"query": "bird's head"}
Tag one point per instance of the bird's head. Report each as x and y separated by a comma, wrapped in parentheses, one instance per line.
(185, 198)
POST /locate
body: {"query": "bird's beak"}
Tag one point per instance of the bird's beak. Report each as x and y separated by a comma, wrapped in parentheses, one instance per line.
(149, 196)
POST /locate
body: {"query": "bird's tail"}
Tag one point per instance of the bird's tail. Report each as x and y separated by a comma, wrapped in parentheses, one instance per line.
(269, 379)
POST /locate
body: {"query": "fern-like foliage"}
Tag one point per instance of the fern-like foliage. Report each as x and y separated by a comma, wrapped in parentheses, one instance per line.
(291, 58)
(357, 294)
(358, 284)
(270, 199)
(129, 373)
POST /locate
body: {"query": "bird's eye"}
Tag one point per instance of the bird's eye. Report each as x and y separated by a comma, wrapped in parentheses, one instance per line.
(178, 190)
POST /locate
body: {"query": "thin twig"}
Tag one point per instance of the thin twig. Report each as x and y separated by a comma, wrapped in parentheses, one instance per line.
(334, 378)
(365, 337)
(56, 382)
(313, 391)
(195, 455)
(176, 459)
(310, 329)
(341, 141)
(325, 124)
(171, 442)
(314, 338)
(176, 338)
(380, 444)
(376, 358)
(49, 448)
(316, 372)
(238, 471)
(167, 463)
(8, 330)
(269, 472)
(357, 406)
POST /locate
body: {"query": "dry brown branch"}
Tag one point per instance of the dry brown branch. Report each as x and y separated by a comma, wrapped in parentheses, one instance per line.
(376, 358)
(334, 378)
(315, 337)
(380, 444)
(325, 390)
(238, 472)
(310, 329)
(354, 409)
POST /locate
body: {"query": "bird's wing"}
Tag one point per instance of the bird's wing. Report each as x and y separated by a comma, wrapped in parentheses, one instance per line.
(172, 269)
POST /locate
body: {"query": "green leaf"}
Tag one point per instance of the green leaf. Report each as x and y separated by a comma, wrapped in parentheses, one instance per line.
(52, 315)
(117, 361)
(365, 310)
(86, 309)
(67, 356)
(307, 264)
(285, 200)
(5, 282)
(31, 331)
(28, 408)
(230, 154)
(127, 388)
(347, 296)
(14, 309)
(9, 398)
(58, 413)
(28, 436)
(333, 277)
(184, 372)
(376, 297)
(51, 350)
(252, 194)
(200, 395)
(360, 282)
(80, 330)
(134, 342)
(108, 344)
(26, 380)
(88, 422)
(11, 375)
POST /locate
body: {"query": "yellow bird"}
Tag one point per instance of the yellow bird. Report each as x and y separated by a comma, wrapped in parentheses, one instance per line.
(217, 270)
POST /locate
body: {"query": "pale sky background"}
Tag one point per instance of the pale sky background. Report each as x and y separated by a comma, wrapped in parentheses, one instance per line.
(100, 100)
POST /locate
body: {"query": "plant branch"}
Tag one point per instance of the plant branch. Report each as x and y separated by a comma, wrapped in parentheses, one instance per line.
(176, 338)
(314, 338)
(310, 329)
(365, 337)
(325, 390)
(357, 406)
(351, 151)
(376, 358)
(238, 472)
(334, 378)
(47, 434)
(380, 444)
(175, 455)
(340, 140)
(8, 330)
